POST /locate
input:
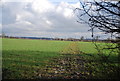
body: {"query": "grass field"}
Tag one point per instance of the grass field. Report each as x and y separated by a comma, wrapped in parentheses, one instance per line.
(22, 58)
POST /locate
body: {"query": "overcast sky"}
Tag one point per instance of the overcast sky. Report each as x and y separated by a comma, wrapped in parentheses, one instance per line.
(42, 18)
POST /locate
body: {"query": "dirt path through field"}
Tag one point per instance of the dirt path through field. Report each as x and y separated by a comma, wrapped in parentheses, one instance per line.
(72, 48)
(70, 65)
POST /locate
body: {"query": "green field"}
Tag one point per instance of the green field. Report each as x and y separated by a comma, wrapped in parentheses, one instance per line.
(22, 58)
(20, 55)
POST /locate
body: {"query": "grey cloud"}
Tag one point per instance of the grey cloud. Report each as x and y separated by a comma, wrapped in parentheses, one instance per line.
(10, 11)
(31, 23)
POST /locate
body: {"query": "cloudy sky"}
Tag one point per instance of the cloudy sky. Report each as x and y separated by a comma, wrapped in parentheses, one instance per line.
(42, 18)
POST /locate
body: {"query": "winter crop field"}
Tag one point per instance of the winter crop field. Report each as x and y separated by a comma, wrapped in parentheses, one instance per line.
(24, 58)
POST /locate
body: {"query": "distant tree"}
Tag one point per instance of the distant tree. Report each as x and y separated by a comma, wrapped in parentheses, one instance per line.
(108, 39)
(82, 38)
(3, 34)
(97, 38)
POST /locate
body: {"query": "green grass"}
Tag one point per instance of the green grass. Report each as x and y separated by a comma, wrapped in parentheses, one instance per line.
(87, 47)
(90, 48)
(30, 50)
(20, 54)
(22, 58)
(33, 45)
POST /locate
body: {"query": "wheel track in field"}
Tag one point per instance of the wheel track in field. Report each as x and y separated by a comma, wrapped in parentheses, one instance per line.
(71, 65)
(72, 48)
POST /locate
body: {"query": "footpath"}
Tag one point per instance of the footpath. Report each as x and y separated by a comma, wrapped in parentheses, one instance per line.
(69, 66)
